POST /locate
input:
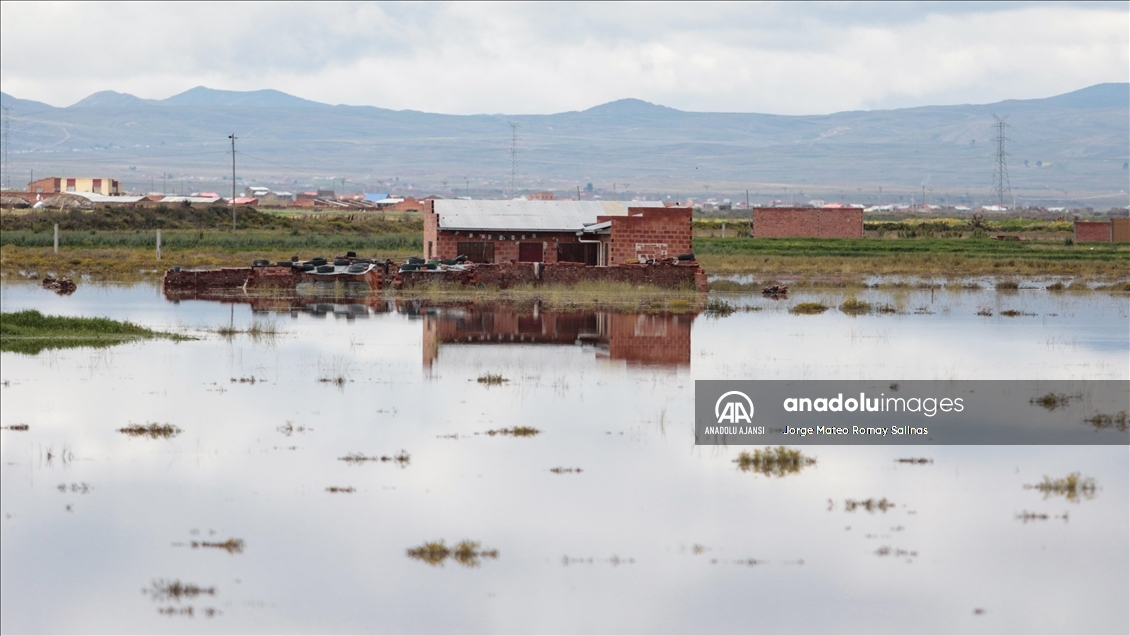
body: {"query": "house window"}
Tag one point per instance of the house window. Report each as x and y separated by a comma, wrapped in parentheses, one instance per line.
(477, 251)
(577, 253)
(531, 252)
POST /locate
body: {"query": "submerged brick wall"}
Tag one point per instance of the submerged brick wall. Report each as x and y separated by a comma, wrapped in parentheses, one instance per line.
(187, 279)
(1092, 232)
(807, 222)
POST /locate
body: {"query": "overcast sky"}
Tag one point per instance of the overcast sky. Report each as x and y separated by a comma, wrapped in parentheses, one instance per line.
(543, 58)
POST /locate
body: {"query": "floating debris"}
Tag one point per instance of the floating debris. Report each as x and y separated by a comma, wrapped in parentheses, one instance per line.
(985, 312)
(491, 379)
(1073, 487)
(466, 553)
(250, 380)
(774, 462)
(151, 430)
(231, 546)
(870, 505)
(561, 470)
(15, 427)
(914, 460)
(290, 429)
(62, 286)
(517, 431)
(402, 458)
(345, 489)
(81, 489)
(1012, 313)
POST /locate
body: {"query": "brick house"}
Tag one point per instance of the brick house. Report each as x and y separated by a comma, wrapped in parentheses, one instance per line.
(51, 185)
(597, 233)
(1116, 230)
(807, 222)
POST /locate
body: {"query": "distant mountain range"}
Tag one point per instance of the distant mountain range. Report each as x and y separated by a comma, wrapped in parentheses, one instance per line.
(1075, 145)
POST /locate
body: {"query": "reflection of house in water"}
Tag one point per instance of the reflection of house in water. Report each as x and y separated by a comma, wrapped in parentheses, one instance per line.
(643, 339)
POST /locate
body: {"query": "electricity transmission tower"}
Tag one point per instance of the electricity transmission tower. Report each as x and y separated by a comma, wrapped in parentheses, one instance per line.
(513, 157)
(1002, 190)
(7, 137)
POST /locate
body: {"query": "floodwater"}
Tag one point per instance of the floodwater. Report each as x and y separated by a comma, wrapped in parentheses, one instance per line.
(241, 516)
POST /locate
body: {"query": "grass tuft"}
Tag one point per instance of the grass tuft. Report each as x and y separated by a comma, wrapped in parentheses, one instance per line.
(466, 553)
(517, 431)
(492, 379)
(1073, 488)
(808, 309)
(151, 430)
(774, 462)
(854, 307)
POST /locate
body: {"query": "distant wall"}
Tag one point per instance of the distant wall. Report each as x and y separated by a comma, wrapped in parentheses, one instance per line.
(807, 222)
(1093, 232)
(1120, 230)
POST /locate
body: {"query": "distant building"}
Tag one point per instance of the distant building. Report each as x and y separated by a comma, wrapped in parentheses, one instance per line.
(590, 232)
(808, 222)
(541, 196)
(107, 187)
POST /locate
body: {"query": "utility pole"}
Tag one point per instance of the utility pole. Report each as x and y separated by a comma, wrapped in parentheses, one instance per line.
(1002, 190)
(233, 138)
(513, 156)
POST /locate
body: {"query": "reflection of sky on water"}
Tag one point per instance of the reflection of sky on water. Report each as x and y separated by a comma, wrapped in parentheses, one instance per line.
(317, 561)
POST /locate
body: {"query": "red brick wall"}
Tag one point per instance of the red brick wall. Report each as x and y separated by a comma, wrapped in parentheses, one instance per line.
(653, 232)
(807, 222)
(1092, 232)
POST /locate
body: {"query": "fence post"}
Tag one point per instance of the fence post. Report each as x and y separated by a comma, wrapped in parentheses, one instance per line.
(56, 238)
(158, 244)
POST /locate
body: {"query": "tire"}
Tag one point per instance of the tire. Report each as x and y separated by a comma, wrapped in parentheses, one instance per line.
(318, 260)
(308, 267)
(260, 262)
(416, 260)
(325, 269)
(341, 261)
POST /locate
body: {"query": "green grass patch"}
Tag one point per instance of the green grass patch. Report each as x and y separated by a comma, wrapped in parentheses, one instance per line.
(30, 332)
(808, 309)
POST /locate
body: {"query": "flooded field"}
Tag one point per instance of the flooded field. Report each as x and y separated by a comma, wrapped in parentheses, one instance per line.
(368, 465)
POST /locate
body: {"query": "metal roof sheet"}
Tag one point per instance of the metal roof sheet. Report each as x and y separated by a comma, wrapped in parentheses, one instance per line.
(95, 197)
(530, 216)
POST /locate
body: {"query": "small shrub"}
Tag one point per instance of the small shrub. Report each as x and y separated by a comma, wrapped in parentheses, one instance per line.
(774, 462)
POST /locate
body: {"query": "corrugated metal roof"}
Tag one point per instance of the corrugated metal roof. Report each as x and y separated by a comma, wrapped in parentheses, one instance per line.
(95, 197)
(528, 216)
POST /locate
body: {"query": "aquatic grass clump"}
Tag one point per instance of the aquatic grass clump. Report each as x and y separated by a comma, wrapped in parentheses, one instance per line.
(808, 309)
(1073, 487)
(561, 470)
(492, 379)
(517, 431)
(402, 458)
(870, 505)
(15, 427)
(30, 332)
(466, 553)
(231, 546)
(152, 430)
(854, 307)
(1102, 421)
(1052, 401)
(344, 489)
(774, 462)
(718, 307)
(175, 590)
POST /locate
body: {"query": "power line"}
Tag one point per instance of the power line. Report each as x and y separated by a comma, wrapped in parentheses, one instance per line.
(1002, 189)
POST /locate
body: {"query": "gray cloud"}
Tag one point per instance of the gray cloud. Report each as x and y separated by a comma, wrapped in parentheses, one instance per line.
(466, 58)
